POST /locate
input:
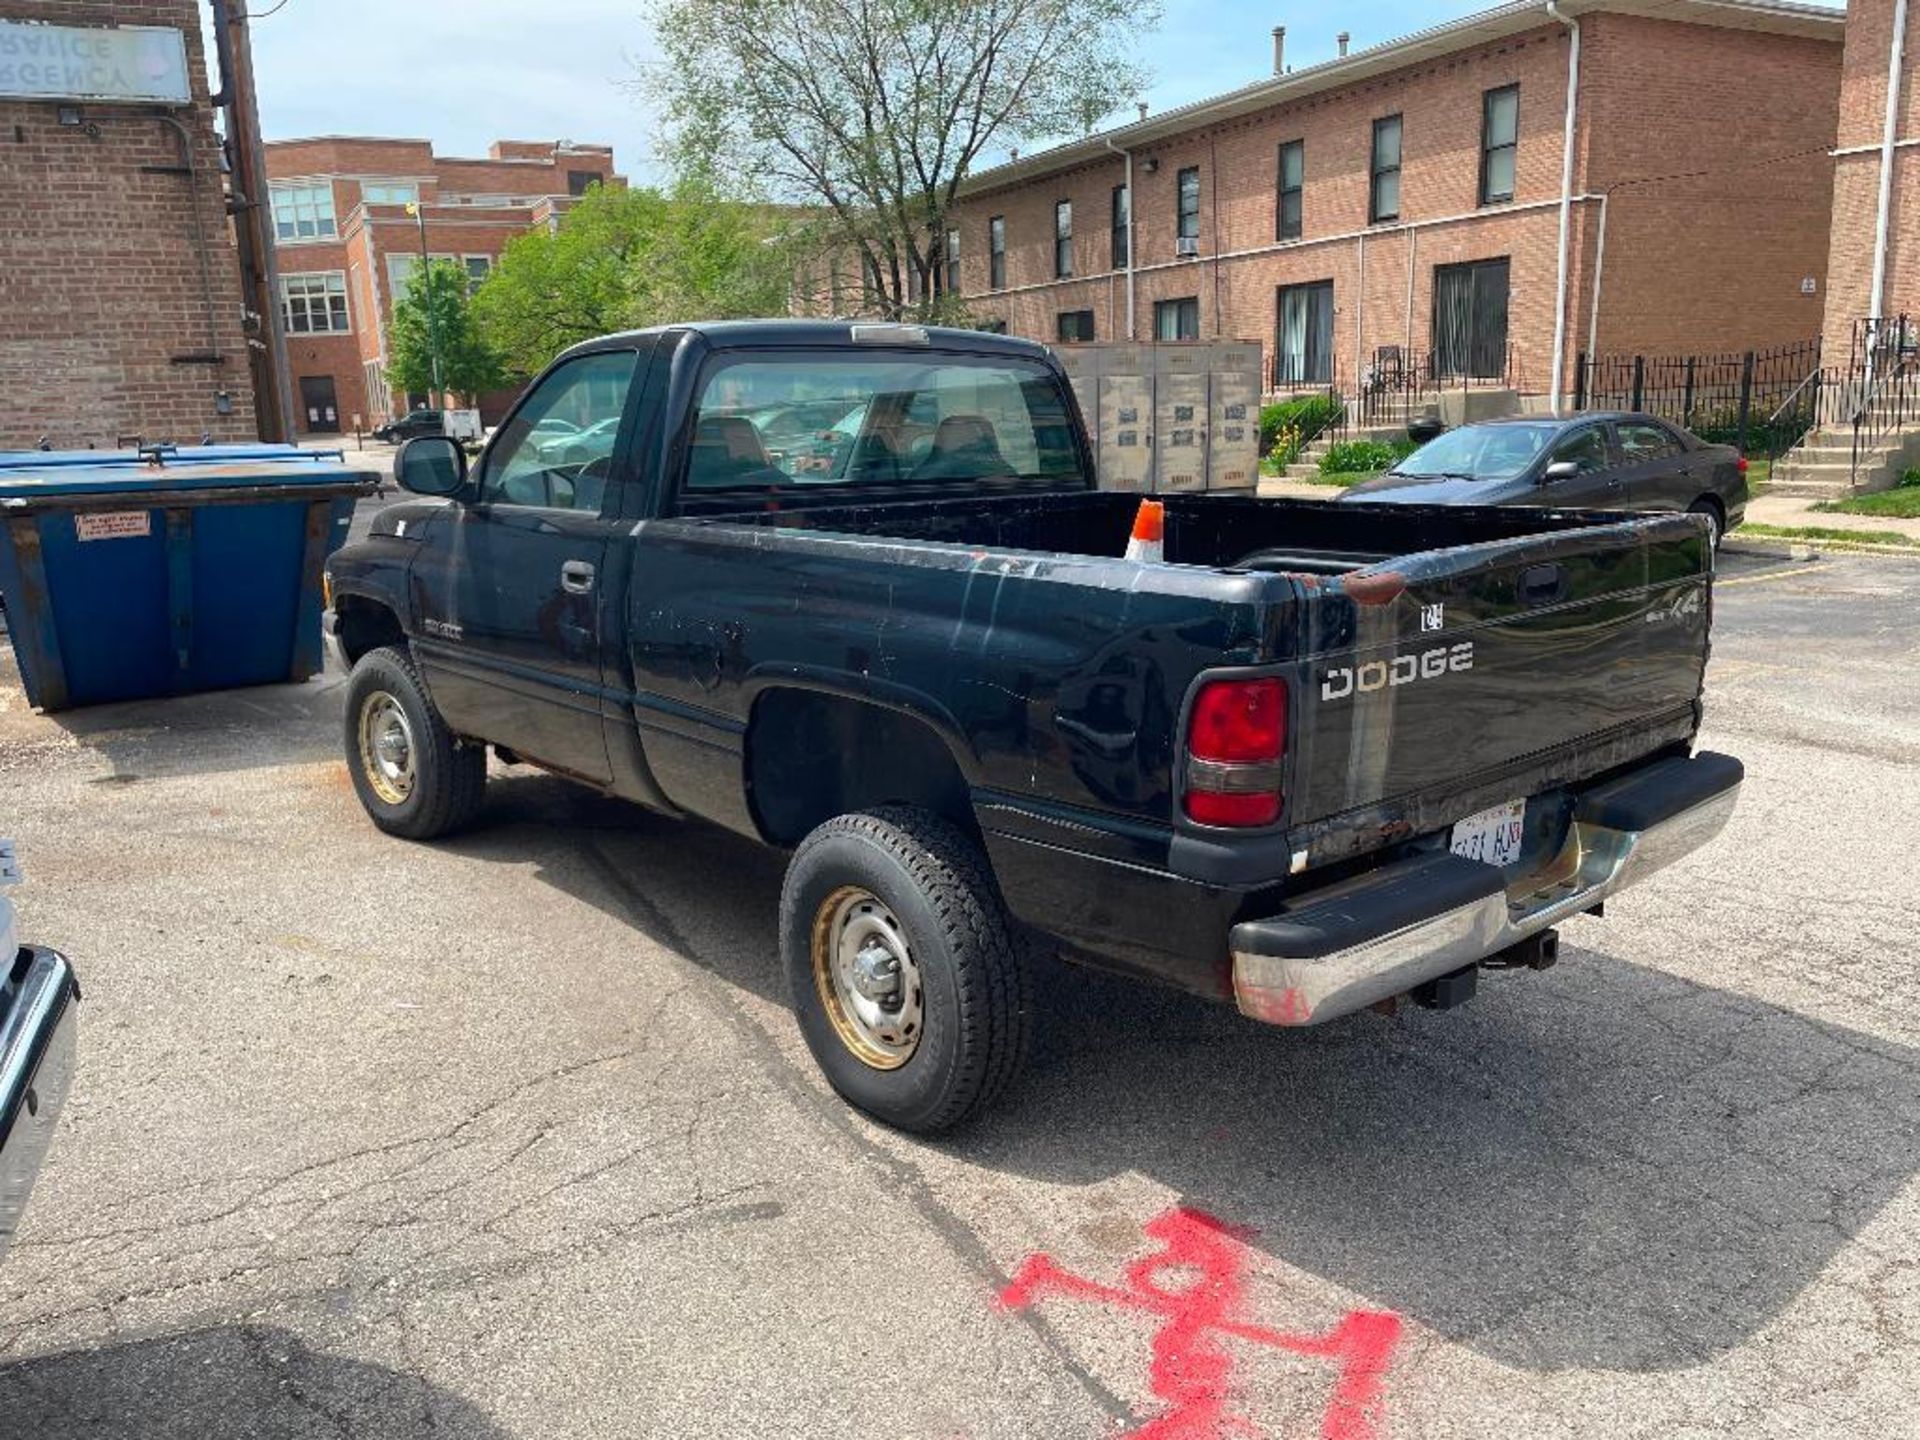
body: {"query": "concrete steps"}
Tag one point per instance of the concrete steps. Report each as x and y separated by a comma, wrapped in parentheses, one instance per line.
(1821, 466)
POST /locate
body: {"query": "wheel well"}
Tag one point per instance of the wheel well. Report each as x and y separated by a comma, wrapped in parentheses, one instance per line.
(812, 756)
(365, 625)
(1713, 503)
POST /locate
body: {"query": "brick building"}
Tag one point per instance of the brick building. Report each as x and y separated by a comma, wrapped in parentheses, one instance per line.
(1867, 147)
(120, 311)
(346, 245)
(1403, 204)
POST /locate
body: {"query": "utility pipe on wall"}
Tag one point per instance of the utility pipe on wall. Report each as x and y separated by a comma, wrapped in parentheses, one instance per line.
(1127, 155)
(1566, 198)
(1876, 295)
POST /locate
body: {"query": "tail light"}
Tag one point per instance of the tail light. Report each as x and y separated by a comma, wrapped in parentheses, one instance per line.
(1742, 464)
(1236, 739)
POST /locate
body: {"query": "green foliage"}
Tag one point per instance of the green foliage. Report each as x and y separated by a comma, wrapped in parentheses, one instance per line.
(1306, 416)
(873, 115)
(434, 317)
(1364, 457)
(622, 259)
(1900, 503)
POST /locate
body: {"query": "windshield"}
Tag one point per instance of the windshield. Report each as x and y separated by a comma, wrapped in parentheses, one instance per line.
(1481, 452)
(882, 419)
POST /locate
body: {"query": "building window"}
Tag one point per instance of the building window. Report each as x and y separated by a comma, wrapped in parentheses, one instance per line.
(303, 212)
(314, 304)
(400, 267)
(1063, 240)
(997, 252)
(1188, 233)
(1177, 319)
(1075, 325)
(581, 181)
(993, 327)
(378, 193)
(1384, 196)
(952, 273)
(1303, 352)
(1293, 175)
(1122, 226)
(1499, 143)
(870, 285)
(478, 268)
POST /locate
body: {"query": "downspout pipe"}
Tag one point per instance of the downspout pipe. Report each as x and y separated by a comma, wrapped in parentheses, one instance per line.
(1127, 155)
(1876, 295)
(1566, 200)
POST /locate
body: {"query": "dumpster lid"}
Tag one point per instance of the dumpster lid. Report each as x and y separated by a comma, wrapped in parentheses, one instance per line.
(175, 455)
(137, 483)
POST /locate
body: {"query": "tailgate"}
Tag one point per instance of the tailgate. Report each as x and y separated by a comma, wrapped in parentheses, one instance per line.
(1438, 684)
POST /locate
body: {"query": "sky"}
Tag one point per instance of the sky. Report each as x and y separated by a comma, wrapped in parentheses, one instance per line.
(462, 73)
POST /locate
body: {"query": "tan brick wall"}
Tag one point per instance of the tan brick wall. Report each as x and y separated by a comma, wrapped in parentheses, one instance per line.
(1707, 262)
(101, 256)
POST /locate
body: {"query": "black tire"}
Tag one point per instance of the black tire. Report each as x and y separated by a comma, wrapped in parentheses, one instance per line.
(448, 778)
(1708, 506)
(975, 989)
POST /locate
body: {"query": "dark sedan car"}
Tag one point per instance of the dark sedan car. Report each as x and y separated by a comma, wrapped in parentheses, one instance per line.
(1601, 461)
(414, 422)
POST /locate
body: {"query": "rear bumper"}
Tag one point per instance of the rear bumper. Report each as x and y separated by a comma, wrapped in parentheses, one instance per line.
(1379, 935)
(36, 1069)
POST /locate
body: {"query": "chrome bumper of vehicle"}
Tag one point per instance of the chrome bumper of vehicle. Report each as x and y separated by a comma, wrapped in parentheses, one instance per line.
(37, 1029)
(1286, 972)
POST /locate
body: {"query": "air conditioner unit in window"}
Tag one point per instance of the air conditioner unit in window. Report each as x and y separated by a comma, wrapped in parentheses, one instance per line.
(1186, 245)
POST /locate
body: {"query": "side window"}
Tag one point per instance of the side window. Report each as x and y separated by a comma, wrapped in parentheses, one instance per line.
(1641, 441)
(557, 450)
(1588, 450)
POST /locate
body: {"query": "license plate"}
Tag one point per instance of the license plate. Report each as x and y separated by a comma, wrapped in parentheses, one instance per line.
(1493, 836)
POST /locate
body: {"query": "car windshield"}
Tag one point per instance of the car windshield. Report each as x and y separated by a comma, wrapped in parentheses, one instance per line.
(884, 419)
(1481, 452)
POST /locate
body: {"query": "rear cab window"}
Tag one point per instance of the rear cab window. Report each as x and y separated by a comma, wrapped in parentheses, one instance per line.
(817, 422)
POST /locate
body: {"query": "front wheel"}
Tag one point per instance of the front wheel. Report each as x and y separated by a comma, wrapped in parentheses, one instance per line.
(906, 980)
(412, 774)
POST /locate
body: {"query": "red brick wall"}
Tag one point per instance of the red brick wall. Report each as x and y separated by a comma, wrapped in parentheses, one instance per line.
(1711, 262)
(1856, 181)
(100, 263)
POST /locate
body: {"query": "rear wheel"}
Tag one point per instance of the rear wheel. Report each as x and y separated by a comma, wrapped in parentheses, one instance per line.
(411, 772)
(906, 980)
(1716, 518)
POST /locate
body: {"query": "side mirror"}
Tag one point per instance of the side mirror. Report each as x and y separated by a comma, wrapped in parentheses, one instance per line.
(1427, 427)
(1559, 470)
(431, 465)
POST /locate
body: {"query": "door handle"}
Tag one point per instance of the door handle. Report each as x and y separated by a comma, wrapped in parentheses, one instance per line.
(576, 577)
(1542, 583)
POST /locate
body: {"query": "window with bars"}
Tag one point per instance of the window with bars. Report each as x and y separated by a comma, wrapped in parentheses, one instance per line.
(303, 212)
(1499, 143)
(1188, 190)
(1122, 226)
(1063, 240)
(379, 192)
(997, 252)
(1292, 183)
(315, 304)
(1383, 201)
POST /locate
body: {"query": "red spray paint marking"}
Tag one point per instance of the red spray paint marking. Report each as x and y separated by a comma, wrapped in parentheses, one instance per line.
(1191, 1368)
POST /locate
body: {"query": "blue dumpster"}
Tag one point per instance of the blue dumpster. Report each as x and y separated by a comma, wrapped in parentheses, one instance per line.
(124, 583)
(171, 455)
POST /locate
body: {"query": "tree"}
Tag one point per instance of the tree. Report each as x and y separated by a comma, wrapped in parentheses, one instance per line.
(434, 315)
(877, 110)
(627, 258)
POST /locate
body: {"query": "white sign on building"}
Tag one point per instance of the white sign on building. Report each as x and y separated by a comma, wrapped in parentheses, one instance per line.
(72, 62)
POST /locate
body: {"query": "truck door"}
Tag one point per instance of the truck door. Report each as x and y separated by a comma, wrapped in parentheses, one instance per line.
(509, 587)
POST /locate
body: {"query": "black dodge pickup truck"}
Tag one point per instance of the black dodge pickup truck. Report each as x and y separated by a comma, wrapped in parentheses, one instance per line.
(1316, 759)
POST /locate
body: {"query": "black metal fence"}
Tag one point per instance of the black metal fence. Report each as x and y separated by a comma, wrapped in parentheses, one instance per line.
(1734, 397)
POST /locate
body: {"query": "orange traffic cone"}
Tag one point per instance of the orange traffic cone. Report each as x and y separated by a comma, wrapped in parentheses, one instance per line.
(1149, 526)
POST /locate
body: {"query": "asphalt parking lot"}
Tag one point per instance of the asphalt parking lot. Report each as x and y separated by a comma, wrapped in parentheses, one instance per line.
(513, 1136)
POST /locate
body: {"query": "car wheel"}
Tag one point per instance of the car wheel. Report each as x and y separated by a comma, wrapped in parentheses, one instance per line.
(410, 771)
(1716, 518)
(906, 980)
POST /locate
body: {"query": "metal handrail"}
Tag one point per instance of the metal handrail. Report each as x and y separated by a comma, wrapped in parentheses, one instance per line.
(1794, 394)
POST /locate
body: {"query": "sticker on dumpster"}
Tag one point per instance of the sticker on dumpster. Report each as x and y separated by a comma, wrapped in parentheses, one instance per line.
(113, 525)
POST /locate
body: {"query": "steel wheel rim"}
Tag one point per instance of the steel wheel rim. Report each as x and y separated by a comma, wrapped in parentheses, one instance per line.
(388, 756)
(867, 979)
